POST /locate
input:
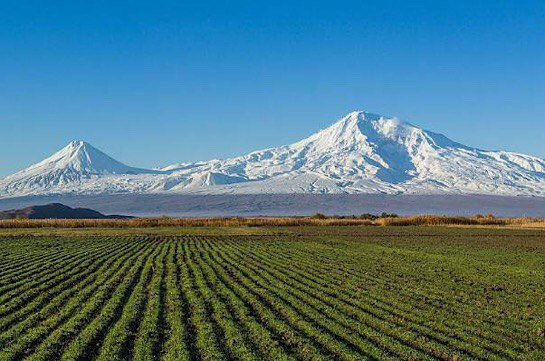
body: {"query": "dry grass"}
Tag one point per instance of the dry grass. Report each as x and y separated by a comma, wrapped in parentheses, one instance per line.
(432, 220)
(180, 222)
(422, 220)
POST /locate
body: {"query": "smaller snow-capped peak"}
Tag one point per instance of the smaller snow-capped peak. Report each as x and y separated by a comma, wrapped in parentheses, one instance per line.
(81, 157)
(73, 164)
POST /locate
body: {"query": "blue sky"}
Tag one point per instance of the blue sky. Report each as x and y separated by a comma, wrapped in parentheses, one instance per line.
(158, 82)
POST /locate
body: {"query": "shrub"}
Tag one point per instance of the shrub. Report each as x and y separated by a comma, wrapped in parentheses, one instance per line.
(388, 215)
(369, 216)
(318, 216)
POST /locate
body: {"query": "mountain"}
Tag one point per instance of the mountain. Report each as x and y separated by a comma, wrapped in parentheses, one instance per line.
(360, 153)
(55, 210)
(76, 163)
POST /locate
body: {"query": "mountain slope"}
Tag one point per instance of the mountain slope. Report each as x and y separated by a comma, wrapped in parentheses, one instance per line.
(360, 153)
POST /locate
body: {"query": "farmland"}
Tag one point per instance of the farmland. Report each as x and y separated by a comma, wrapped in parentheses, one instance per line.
(283, 293)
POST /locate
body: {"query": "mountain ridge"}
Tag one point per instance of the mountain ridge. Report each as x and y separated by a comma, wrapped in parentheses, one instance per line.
(360, 153)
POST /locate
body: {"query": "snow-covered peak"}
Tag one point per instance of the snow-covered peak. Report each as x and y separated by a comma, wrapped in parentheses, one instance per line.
(377, 129)
(76, 162)
(362, 127)
(81, 157)
(380, 123)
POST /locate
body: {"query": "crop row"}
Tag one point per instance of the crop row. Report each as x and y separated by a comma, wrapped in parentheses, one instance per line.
(234, 298)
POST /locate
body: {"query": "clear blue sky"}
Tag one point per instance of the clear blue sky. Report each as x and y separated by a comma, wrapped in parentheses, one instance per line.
(158, 82)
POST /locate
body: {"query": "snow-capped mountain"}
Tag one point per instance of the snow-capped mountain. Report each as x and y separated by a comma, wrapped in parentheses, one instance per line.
(75, 164)
(360, 153)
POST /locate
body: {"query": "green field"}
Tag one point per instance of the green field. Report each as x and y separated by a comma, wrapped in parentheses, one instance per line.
(314, 293)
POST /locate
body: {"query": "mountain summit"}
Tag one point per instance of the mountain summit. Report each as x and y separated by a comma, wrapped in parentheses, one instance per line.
(80, 158)
(76, 162)
(360, 153)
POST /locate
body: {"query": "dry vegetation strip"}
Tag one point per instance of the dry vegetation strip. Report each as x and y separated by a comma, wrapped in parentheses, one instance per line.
(442, 294)
(320, 220)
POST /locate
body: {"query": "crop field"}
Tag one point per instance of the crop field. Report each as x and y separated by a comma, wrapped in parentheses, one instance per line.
(299, 293)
